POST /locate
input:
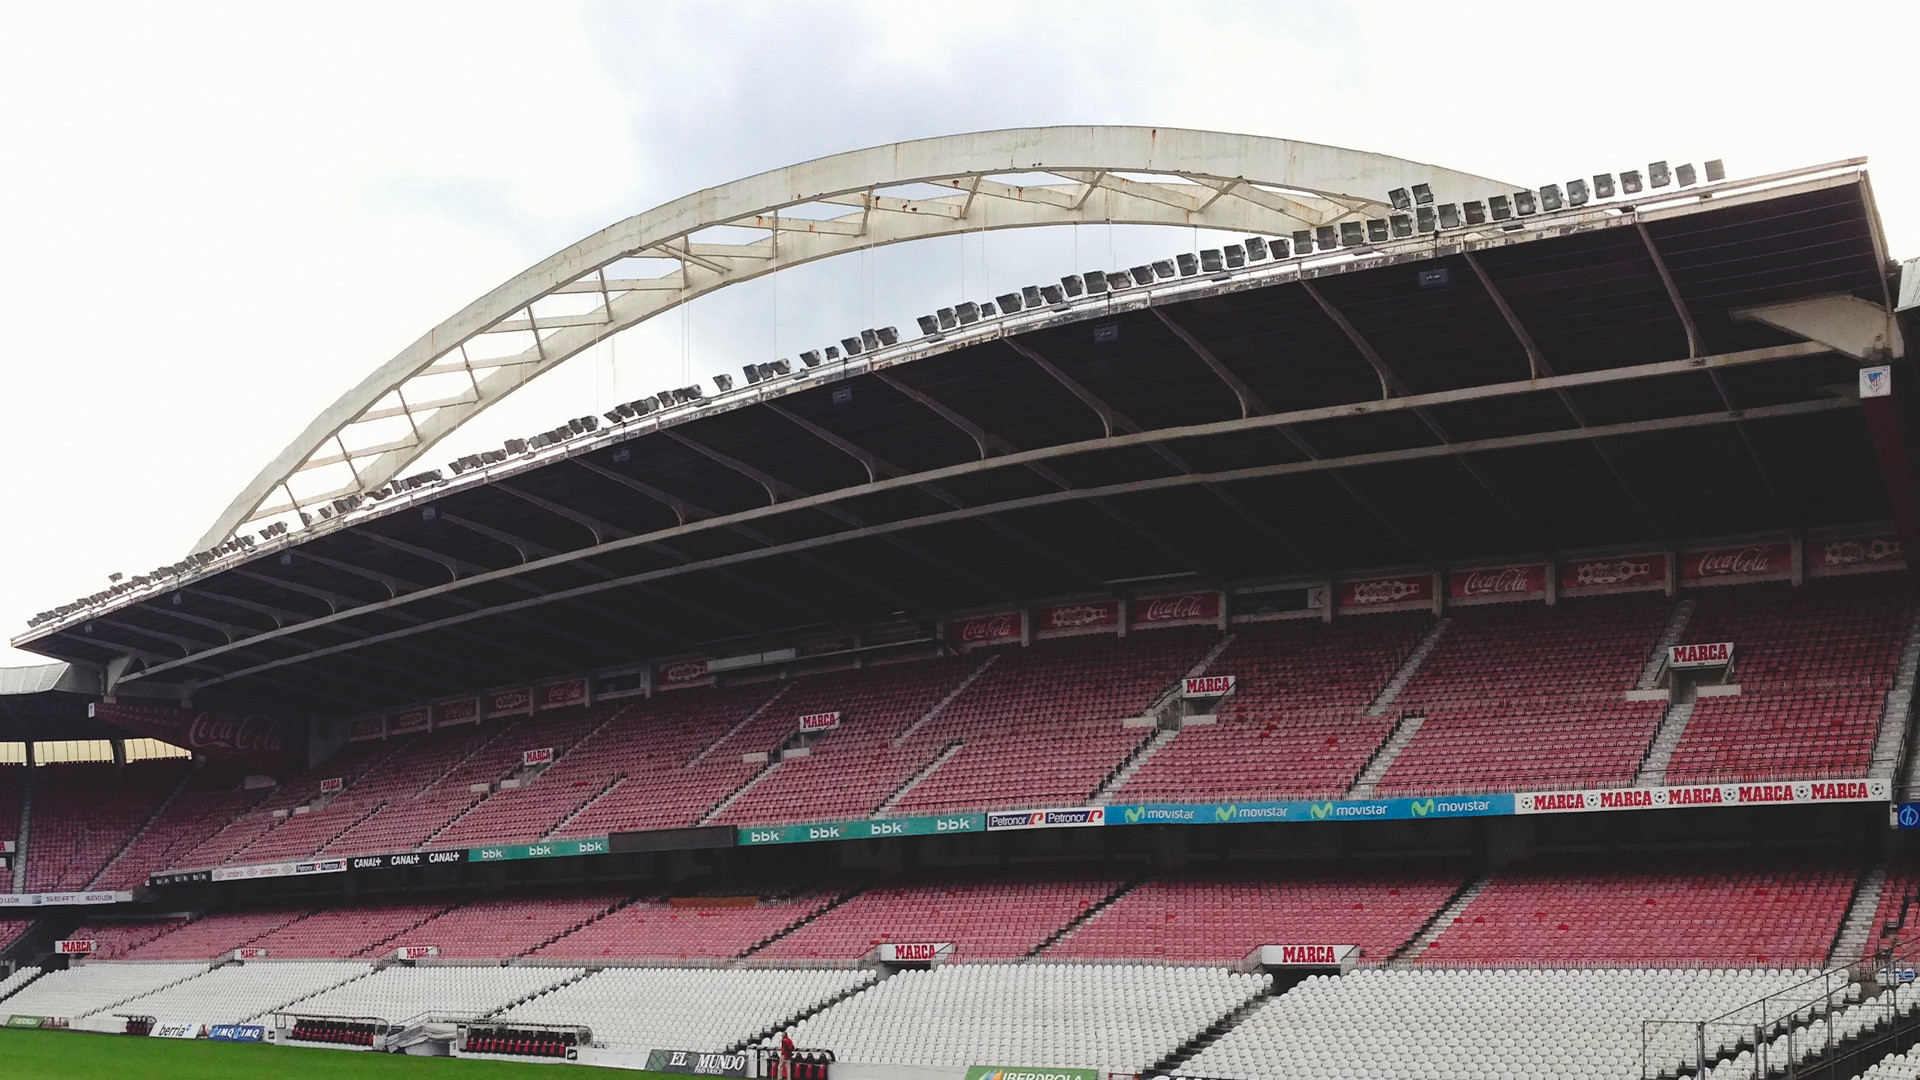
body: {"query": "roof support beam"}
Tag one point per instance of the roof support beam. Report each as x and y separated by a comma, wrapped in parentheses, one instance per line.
(1719, 384)
(1538, 365)
(1228, 476)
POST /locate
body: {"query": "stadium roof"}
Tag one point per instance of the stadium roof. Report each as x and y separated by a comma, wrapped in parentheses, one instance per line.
(1634, 376)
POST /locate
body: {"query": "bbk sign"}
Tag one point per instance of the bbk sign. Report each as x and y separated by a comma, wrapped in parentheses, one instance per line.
(1710, 654)
(1209, 686)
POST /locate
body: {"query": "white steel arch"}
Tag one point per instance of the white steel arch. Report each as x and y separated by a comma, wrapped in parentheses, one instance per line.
(830, 206)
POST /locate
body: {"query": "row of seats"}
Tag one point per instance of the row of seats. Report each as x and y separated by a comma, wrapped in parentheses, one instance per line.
(233, 994)
(693, 1009)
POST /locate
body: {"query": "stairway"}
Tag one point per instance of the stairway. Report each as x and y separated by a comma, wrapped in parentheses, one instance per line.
(1176, 693)
(1210, 1034)
(1666, 739)
(26, 826)
(579, 926)
(144, 826)
(741, 726)
(582, 808)
(928, 716)
(945, 755)
(1408, 668)
(1383, 758)
(1066, 929)
(734, 796)
(1851, 942)
(1890, 743)
(1405, 955)
(798, 923)
(1656, 664)
(24, 985)
(817, 1007)
(1133, 764)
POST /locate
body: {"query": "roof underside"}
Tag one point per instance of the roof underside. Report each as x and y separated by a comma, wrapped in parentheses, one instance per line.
(639, 549)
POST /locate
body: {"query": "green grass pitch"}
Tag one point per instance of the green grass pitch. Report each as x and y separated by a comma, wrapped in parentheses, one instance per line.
(74, 1055)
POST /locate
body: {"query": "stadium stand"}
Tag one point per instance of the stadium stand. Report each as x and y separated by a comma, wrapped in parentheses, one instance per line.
(1041, 727)
(211, 799)
(1464, 1025)
(13, 782)
(499, 927)
(987, 917)
(400, 993)
(1653, 911)
(696, 1009)
(95, 988)
(231, 994)
(1813, 663)
(1518, 695)
(115, 940)
(215, 936)
(1105, 1016)
(680, 930)
(364, 929)
(1219, 916)
(84, 814)
(1294, 727)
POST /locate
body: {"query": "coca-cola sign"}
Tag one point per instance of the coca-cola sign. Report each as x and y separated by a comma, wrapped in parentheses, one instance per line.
(570, 692)
(1498, 583)
(408, 719)
(1408, 591)
(506, 702)
(1619, 573)
(264, 742)
(987, 629)
(366, 727)
(1721, 564)
(1851, 553)
(681, 673)
(1090, 615)
(458, 711)
(1185, 608)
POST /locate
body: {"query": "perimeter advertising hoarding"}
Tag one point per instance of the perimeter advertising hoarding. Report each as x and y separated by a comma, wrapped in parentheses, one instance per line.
(863, 829)
(263, 742)
(551, 849)
(1084, 617)
(1386, 594)
(1852, 554)
(1241, 813)
(698, 1063)
(1065, 818)
(1618, 573)
(1778, 793)
(63, 899)
(1755, 562)
(1498, 583)
(1028, 1072)
(237, 1033)
(987, 629)
(1177, 610)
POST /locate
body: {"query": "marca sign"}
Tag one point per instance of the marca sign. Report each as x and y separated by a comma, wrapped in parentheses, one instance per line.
(542, 756)
(1316, 956)
(1783, 792)
(332, 784)
(250, 953)
(76, 946)
(1709, 654)
(820, 721)
(415, 952)
(914, 952)
(1208, 686)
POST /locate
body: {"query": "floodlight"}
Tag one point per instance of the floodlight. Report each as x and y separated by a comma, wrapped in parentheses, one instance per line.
(1402, 226)
(1658, 174)
(782, 367)
(1422, 195)
(869, 340)
(1009, 302)
(1576, 193)
(1236, 256)
(1352, 234)
(1630, 182)
(987, 310)
(1279, 247)
(928, 326)
(1716, 171)
(948, 318)
(1143, 274)
(1053, 294)
(1163, 268)
(1327, 237)
(1449, 215)
(1685, 175)
(1523, 203)
(1188, 264)
(833, 352)
(811, 358)
(752, 372)
(1376, 230)
(724, 382)
(1500, 207)
(1256, 248)
(1303, 242)
(1211, 261)
(1550, 197)
(1400, 198)
(1423, 218)
(1030, 296)
(1476, 211)
(1072, 285)
(966, 311)
(1603, 185)
(1096, 282)
(852, 344)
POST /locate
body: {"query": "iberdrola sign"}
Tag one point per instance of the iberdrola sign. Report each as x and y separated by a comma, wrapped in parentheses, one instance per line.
(1028, 1072)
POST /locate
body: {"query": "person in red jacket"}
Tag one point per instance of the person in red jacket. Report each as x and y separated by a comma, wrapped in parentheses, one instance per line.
(786, 1055)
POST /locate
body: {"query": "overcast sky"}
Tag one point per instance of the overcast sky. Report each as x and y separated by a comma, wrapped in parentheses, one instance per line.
(214, 220)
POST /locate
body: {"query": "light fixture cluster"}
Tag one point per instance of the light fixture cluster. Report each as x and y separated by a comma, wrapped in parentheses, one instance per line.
(1429, 217)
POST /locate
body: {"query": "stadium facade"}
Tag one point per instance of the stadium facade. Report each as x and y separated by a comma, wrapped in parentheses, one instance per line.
(1284, 658)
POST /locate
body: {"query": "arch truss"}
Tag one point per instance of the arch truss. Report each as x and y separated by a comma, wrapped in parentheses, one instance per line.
(657, 260)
